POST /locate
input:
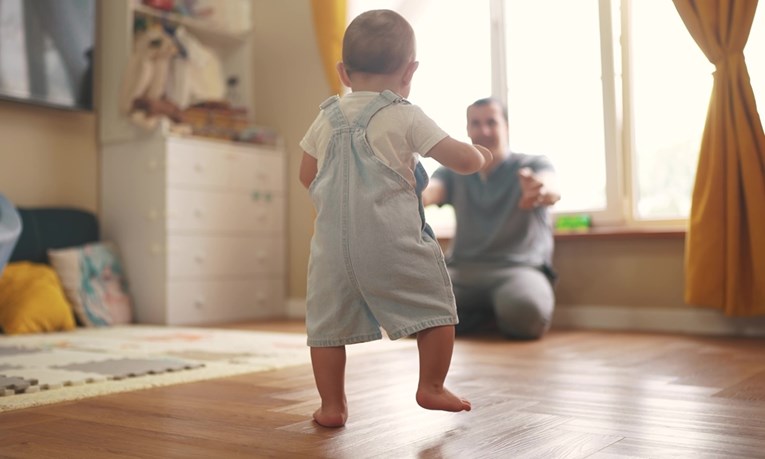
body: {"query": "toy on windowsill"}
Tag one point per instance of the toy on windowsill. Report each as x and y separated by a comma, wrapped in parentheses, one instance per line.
(573, 223)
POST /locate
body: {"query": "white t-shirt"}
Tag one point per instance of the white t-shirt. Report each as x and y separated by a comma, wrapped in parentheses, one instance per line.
(397, 134)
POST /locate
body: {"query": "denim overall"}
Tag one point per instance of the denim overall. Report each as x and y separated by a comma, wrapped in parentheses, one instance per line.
(374, 261)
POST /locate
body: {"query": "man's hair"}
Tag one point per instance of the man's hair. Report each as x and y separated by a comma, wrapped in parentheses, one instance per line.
(378, 42)
(489, 101)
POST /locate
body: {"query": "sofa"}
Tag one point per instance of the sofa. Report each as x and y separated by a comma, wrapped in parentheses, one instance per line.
(47, 228)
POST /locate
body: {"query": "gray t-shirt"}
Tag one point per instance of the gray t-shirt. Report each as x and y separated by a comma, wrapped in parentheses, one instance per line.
(490, 226)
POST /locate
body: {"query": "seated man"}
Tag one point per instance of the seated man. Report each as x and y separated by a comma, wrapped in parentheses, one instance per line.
(501, 256)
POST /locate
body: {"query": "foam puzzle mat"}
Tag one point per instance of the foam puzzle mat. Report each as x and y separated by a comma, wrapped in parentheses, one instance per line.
(47, 368)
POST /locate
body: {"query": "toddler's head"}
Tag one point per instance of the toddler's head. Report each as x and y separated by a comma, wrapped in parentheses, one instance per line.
(379, 42)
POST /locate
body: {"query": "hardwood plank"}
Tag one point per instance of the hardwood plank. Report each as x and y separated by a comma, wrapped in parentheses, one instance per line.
(664, 418)
(751, 389)
(26, 419)
(632, 448)
(735, 443)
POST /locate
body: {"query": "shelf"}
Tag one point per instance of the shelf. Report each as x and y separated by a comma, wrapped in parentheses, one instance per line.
(207, 31)
(446, 234)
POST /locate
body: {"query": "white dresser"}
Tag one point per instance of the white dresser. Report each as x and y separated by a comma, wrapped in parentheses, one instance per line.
(200, 225)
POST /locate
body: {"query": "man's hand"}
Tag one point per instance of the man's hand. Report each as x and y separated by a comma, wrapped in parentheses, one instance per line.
(533, 190)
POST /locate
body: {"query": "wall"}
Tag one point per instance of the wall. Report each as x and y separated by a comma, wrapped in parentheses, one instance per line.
(636, 284)
(48, 157)
(290, 85)
(632, 272)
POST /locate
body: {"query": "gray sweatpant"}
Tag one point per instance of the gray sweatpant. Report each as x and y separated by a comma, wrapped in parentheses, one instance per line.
(519, 298)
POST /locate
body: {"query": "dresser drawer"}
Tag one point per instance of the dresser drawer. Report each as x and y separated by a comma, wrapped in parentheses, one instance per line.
(224, 166)
(224, 211)
(209, 257)
(211, 302)
(261, 170)
(198, 164)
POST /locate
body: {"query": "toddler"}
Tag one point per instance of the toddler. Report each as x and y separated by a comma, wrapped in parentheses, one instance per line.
(374, 261)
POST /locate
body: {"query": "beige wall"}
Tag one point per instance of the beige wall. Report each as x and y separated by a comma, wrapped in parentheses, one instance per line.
(290, 85)
(620, 272)
(48, 157)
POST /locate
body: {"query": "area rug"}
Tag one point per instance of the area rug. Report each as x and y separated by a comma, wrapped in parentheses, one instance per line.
(48, 368)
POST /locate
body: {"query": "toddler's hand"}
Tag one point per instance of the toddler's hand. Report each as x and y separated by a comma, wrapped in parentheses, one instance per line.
(488, 158)
(487, 155)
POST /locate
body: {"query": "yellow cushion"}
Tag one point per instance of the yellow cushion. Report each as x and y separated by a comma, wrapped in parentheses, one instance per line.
(32, 300)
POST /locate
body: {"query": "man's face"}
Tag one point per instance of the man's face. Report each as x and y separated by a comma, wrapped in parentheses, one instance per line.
(487, 127)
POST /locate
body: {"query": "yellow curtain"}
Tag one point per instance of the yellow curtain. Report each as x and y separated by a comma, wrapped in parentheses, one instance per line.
(725, 245)
(329, 19)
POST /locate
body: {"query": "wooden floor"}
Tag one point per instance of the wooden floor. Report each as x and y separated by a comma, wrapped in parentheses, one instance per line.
(573, 394)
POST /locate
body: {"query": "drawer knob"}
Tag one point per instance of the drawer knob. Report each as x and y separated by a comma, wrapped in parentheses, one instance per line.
(199, 303)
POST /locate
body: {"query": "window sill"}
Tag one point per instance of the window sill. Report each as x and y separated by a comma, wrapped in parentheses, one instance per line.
(446, 235)
(615, 233)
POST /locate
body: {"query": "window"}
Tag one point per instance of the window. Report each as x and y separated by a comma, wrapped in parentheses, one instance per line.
(554, 93)
(671, 81)
(616, 94)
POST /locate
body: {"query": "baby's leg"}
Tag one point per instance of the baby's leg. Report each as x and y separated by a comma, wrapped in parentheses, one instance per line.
(329, 373)
(435, 346)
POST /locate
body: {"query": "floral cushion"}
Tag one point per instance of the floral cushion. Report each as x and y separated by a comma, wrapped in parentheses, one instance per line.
(94, 281)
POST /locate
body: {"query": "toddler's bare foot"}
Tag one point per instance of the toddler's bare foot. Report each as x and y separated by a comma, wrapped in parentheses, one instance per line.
(440, 399)
(330, 418)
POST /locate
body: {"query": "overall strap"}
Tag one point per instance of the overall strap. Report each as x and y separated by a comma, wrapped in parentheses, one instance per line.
(385, 98)
(331, 108)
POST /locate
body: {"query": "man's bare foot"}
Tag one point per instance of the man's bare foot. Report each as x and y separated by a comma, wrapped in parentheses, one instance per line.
(329, 418)
(441, 399)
